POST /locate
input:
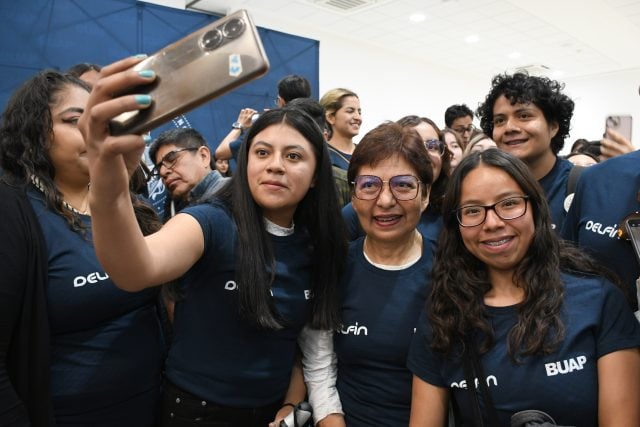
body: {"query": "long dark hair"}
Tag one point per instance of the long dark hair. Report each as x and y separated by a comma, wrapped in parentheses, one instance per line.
(460, 281)
(26, 133)
(318, 214)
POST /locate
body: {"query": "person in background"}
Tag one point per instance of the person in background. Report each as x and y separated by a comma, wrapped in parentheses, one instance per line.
(344, 118)
(183, 160)
(106, 345)
(584, 159)
(530, 117)
(479, 142)
(383, 289)
(256, 264)
(459, 118)
(514, 306)
(292, 87)
(454, 145)
(86, 71)
(222, 166)
(289, 88)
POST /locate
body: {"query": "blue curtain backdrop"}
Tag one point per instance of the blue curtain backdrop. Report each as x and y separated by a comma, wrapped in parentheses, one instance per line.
(37, 34)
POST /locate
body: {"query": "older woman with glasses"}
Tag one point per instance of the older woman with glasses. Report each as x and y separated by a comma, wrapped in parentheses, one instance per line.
(521, 314)
(384, 287)
(440, 157)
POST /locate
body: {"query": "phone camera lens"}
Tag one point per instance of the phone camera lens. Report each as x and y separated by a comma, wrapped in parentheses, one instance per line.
(212, 39)
(613, 121)
(233, 28)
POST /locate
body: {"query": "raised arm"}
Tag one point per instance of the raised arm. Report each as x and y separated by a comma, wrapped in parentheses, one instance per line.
(619, 388)
(244, 120)
(133, 261)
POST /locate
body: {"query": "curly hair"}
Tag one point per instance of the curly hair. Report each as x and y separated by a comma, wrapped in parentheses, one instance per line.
(26, 133)
(521, 88)
(460, 281)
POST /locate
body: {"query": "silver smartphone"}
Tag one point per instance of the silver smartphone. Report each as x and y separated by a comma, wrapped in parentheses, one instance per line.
(198, 68)
(631, 226)
(621, 124)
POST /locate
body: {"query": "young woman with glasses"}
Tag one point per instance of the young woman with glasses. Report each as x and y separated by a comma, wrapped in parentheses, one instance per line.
(383, 289)
(255, 264)
(542, 328)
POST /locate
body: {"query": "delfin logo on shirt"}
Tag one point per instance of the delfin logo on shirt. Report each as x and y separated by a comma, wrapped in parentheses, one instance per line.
(92, 278)
(353, 329)
(463, 383)
(565, 366)
(598, 228)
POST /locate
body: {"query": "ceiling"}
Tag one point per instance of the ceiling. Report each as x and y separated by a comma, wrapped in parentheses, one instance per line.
(558, 38)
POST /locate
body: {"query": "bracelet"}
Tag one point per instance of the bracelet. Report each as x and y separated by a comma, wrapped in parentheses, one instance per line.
(288, 404)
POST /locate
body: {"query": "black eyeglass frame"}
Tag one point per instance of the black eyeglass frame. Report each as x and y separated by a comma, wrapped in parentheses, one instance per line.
(492, 207)
(170, 163)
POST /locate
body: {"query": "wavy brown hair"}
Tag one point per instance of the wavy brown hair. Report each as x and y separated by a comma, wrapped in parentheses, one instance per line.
(460, 281)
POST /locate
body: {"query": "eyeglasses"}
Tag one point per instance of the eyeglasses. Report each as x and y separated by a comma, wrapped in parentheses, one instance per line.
(462, 129)
(507, 209)
(169, 160)
(403, 187)
(435, 146)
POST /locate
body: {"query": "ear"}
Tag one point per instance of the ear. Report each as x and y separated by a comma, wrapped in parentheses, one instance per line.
(330, 118)
(424, 199)
(205, 155)
(554, 127)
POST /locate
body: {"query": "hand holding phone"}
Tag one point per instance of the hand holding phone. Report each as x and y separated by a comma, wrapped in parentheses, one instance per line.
(617, 137)
(198, 68)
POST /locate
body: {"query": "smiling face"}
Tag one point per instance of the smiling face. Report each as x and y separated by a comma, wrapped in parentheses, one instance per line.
(347, 119)
(386, 219)
(499, 244)
(522, 130)
(280, 169)
(67, 150)
(190, 167)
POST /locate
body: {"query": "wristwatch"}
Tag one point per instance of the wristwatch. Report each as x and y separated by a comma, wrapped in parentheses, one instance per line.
(237, 125)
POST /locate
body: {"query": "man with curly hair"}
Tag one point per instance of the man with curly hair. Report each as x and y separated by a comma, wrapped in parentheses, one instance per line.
(529, 117)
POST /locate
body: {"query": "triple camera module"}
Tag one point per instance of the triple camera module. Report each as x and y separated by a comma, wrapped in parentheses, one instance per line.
(230, 30)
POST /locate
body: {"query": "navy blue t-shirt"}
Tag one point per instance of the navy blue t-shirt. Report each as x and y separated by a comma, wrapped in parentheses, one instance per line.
(564, 384)
(215, 354)
(107, 348)
(605, 194)
(429, 226)
(554, 185)
(380, 309)
(339, 159)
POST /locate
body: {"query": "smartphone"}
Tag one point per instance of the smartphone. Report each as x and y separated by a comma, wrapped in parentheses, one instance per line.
(621, 124)
(631, 226)
(198, 68)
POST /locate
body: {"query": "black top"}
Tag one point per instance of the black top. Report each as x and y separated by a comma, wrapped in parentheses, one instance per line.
(25, 395)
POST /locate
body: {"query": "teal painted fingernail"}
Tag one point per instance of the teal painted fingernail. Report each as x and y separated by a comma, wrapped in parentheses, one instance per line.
(143, 99)
(141, 55)
(147, 74)
(147, 138)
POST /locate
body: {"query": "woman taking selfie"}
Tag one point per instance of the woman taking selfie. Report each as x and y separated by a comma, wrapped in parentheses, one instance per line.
(516, 308)
(255, 265)
(105, 345)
